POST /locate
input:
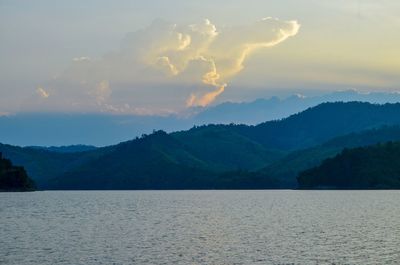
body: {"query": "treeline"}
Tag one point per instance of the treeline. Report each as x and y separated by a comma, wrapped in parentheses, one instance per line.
(372, 167)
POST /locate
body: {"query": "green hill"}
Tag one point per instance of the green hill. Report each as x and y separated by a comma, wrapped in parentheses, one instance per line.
(168, 161)
(222, 148)
(43, 165)
(13, 178)
(372, 167)
(287, 169)
(152, 162)
(321, 123)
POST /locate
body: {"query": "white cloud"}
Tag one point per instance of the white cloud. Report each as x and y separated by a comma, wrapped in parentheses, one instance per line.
(221, 54)
(81, 59)
(42, 93)
(102, 91)
(198, 56)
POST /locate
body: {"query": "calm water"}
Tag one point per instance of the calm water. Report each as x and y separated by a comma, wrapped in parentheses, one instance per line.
(200, 227)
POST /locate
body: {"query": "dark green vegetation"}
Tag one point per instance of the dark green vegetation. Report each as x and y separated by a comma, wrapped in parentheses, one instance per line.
(286, 170)
(269, 155)
(14, 178)
(43, 165)
(372, 167)
(321, 123)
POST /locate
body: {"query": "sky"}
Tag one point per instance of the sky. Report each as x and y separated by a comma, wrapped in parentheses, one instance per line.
(160, 57)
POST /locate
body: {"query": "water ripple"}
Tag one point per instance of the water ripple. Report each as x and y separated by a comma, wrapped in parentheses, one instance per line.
(200, 227)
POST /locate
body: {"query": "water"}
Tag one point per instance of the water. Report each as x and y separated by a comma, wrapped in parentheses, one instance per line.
(200, 227)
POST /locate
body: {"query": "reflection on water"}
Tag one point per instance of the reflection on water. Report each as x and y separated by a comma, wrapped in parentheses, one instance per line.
(200, 227)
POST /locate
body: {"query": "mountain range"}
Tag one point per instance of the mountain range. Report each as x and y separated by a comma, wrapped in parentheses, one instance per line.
(268, 155)
(60, 129)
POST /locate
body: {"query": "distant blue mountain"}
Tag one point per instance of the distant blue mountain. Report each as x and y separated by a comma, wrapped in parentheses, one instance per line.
(66, 148)
(58, 129)
(262, 110)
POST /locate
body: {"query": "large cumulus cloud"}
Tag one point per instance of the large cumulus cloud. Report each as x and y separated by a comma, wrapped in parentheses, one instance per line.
(199, 56)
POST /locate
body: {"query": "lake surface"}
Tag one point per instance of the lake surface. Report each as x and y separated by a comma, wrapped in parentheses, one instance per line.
(200, 227)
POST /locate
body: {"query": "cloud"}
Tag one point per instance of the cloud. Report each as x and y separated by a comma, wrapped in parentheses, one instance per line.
(42, 93)
(220, 54)
(198, 56)
(102, 91)
(81, 59)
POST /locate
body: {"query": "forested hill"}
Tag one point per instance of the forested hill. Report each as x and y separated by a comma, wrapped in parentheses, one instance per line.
(287, 168)
(372, 167)
(321, 123)
(14, 178)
